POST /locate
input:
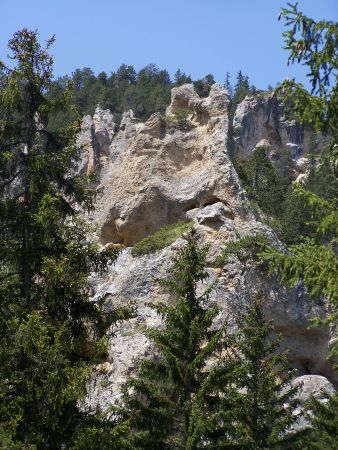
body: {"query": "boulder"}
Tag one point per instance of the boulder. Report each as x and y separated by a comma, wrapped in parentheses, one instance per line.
(310, 386)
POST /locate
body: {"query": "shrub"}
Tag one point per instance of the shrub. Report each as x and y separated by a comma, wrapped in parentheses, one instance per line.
(179, 120)
(162, 238)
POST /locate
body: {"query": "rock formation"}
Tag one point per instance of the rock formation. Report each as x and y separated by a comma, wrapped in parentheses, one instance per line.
(260, 121)
(151, 177)
(95, 138)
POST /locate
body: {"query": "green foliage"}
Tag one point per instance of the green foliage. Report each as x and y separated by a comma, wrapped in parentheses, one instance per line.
(202, 87)
(315, 45)
(158, 399)
(145, 92)
(314, 259)
(160, 239)
(296, 218)
(181, 78)
(105, 435)
(322, 179)
(242, 89)
(264, 408)
(315, 264)
(245, 248)
(247, 400)
(324, 424)
(51, 333)
(262, 182)
(179, 120)
(43, 386)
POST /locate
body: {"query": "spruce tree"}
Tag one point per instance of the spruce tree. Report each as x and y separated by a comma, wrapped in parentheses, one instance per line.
(262, 182)
(158, 400)
(50, 332)
(314, 260)
(324, 424)
(242, 88)
(264, 408)
(247, 400)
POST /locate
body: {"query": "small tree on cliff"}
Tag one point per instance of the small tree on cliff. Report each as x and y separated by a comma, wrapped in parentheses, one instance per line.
(50, 332)
(158, 400)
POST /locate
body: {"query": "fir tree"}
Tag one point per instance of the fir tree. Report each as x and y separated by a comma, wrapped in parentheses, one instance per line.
(158, 400)
(50, 332)
(314, 260)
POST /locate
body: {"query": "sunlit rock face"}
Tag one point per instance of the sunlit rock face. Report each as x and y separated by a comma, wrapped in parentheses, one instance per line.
(151, 176)
(260, 121)
(95, 138)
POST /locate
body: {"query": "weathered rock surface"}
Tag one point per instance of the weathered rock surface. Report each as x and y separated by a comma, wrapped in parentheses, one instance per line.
(95, 138)
(260, 121)
(152, 178)
(310, 386)
(161, 176)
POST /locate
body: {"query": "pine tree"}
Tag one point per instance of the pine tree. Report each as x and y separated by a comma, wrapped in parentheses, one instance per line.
(50, 332)
(158, 400)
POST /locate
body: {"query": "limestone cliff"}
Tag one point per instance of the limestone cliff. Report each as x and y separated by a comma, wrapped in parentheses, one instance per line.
(151, 176)
(260, 121)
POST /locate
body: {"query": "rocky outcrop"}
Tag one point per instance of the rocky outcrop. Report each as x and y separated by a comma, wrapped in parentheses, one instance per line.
(160, 176)
(95, 138)
(260, 121)
(152, 177)
(310, 386)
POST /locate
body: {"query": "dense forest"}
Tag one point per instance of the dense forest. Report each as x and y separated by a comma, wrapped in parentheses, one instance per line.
(145, 92)
(52, 334)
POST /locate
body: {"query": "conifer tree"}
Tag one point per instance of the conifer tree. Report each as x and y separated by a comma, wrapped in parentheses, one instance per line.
(247, 400)
(181, 78)
(264, 408)
(324, 424)
(228, 85)
(262, 182)
(314, 260)
(242, 88)
(158, 399)
(50, 332)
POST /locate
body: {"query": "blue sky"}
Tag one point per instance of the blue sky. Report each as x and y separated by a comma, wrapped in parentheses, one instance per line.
(197, 36)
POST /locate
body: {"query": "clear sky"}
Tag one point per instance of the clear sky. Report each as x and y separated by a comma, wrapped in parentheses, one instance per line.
(197, 36)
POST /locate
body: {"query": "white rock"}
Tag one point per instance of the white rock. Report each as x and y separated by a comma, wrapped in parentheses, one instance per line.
(151, 179)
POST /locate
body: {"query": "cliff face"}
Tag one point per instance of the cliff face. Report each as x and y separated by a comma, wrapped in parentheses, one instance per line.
(151, 176)
(260, 121)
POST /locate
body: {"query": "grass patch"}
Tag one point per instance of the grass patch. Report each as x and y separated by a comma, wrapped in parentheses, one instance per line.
(161, 239)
